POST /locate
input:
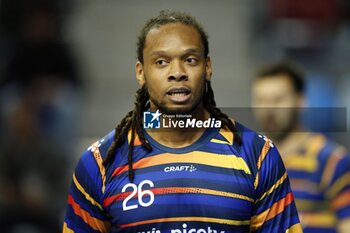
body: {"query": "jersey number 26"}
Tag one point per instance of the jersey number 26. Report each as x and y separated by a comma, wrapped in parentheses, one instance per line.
(138, 190)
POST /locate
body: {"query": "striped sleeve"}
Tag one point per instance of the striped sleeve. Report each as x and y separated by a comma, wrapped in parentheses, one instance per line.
(84, 211)
(338, 184)
(274, 208)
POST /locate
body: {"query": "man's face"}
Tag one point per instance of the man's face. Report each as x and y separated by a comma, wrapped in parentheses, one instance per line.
(174, 69)
(276, 105)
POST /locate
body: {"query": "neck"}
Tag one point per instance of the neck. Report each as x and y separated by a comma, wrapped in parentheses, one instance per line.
(176, 137)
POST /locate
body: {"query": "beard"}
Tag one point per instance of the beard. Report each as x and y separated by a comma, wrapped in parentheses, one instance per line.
(179, 110)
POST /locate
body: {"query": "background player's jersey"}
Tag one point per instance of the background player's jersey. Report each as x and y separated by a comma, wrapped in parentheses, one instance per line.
(320, 177)
(212, 186)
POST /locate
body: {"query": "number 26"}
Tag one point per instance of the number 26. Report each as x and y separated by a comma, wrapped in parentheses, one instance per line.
(137, 189)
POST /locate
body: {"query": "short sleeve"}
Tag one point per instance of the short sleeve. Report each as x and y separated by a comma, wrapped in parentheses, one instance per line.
(85, 212)
(274, 209)
(338, 188)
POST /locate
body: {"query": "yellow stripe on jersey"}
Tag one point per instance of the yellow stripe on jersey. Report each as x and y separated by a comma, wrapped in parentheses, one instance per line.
(273, 187)
(331, 165)
(82, 190)
(339, 185)
(296, 228)
(263, 154)
(66, 229)
(214, 140)
(278, 207)
(319, 220)
(227, 134)
(301, 163)
(96, 151)
(189, 219)
(196, 157)
(307, 162)
(261, 158)
(316, 143)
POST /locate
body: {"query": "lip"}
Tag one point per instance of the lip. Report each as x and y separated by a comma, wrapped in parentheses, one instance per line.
(179, 95)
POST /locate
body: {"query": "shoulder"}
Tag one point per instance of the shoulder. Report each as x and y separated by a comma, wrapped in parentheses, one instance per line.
(102, 145)
(90, 171)
(324, 149)
(254, 142)
(258, 150)
(94, 155)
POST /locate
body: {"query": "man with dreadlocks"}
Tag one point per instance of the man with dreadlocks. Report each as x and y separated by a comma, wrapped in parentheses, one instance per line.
(175, 180)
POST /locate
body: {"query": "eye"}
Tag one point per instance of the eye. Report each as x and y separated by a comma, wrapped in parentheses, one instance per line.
(191, 61)
(161, 62)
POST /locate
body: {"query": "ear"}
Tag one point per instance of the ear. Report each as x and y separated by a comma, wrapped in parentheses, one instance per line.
(208, 69)
(140, 73)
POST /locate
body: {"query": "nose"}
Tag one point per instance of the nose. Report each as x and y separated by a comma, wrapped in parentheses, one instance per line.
(177, 72)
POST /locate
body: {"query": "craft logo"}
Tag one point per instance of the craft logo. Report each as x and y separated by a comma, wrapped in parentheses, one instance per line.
(180, 168)
(153, 120)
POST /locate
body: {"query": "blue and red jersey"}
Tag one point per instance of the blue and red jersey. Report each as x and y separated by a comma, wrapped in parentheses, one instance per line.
(319, 172)
(215, 185)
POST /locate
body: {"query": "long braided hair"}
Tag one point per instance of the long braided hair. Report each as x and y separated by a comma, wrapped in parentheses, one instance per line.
(133, 121)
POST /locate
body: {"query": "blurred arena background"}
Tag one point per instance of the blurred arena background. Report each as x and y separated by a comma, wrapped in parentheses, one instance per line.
(67, 78)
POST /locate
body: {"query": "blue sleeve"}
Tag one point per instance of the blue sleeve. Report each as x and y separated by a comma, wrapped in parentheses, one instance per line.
(85, 211)
(274, 209)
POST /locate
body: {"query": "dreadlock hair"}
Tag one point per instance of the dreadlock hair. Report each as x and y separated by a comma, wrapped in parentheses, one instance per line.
(210, 105)
(133, 120)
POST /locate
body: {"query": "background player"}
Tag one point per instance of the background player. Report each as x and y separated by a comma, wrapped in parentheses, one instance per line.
(319, 169)
(228, 179)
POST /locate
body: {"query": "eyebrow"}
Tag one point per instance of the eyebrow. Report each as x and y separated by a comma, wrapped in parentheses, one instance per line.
(186, 52)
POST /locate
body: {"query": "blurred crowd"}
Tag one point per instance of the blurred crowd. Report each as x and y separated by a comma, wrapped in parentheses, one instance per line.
(39, 93)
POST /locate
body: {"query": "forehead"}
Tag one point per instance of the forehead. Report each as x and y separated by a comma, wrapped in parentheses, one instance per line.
(173, 36)
(279, 83)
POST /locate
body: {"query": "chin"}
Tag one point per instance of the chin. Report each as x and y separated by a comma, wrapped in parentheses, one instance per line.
(185, 109)
(176, 110)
